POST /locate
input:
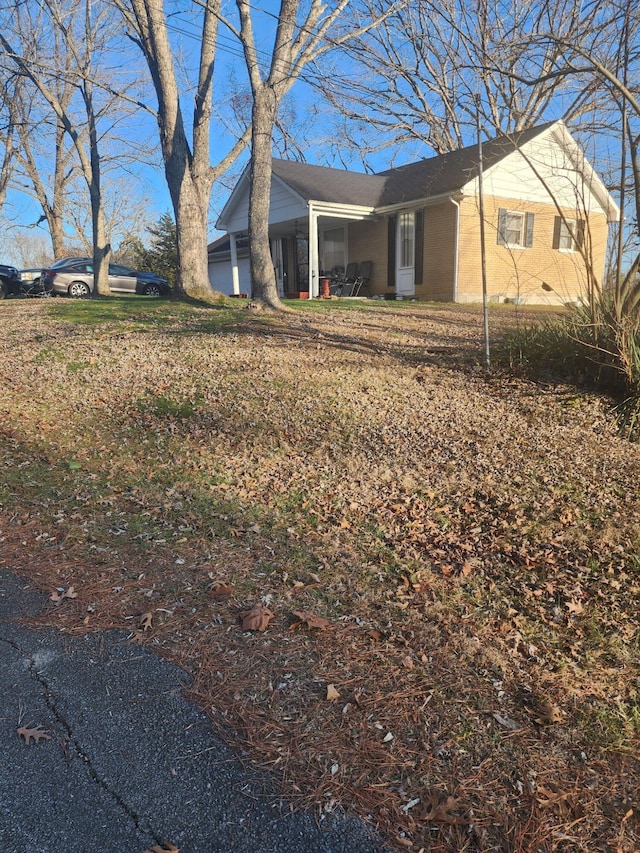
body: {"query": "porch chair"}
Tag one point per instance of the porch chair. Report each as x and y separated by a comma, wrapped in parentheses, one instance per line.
(344, 285)
(362, 279)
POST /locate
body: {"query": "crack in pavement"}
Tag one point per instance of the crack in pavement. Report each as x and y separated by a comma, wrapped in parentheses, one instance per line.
(133, 764)
(49, 699)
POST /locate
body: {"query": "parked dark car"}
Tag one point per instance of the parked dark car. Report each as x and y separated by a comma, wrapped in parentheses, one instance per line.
(10, 283)
(75, 278)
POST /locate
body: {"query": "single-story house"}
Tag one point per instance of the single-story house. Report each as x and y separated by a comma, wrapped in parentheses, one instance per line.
(546, 218)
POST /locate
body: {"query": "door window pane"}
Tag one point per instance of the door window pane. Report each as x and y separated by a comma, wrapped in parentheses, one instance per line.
(407, 239)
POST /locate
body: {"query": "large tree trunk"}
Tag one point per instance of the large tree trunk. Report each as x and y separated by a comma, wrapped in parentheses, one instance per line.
(53, 212)
(101, 246)
(189, 173)
(263, 277)
(191, 211)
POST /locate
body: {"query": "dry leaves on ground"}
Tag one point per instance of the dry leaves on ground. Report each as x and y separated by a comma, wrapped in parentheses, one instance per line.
(256, 619)
(35, 733)
(471, 540)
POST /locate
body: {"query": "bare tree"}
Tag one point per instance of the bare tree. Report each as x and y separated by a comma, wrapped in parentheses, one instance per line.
(605, 55)
(36, 151)
(423, 75)
(9, 122)
(187, 161)
(58, 48)
(304, 32)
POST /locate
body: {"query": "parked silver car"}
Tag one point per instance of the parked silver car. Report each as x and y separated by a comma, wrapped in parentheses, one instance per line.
(76, 279)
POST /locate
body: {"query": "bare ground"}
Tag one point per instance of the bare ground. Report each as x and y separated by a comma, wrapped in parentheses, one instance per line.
(443, 562)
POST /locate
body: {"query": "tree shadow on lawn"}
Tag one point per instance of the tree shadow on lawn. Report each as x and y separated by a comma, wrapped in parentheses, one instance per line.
(454, 342)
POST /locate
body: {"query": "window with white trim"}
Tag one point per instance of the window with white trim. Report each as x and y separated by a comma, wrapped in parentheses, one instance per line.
(568, 234)
(515, 228)
(333, 249)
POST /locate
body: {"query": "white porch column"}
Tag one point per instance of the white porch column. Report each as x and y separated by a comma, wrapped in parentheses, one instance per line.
(314, 260)
(235, 272)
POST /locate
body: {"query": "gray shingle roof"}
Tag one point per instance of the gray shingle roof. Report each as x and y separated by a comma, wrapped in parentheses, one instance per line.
(445, 173)
(320, 183)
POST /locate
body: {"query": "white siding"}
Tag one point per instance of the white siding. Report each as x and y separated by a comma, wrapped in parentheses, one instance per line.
(285, 206)
(519, 176)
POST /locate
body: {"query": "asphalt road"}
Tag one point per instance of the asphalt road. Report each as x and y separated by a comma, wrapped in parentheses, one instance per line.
(129, 764)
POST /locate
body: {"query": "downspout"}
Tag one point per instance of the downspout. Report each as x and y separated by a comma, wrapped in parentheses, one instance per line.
(456, 248)
(235, 274)
(313, 253)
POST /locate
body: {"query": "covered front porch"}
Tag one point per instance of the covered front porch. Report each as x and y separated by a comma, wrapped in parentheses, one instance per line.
(307, 251)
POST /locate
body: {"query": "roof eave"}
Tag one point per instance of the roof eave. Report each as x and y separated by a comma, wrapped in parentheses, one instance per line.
(425, 201)
(341, 210)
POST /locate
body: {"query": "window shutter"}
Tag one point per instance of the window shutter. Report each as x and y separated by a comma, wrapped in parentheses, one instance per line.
(502, 226)
(419, 247)
(557, 224)
(528, 240)
(391, 251)
(580, 233)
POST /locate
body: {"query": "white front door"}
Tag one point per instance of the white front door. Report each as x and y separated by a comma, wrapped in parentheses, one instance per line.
(405, 273)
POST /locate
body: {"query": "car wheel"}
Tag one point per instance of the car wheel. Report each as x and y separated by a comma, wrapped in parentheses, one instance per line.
(78, 289)
(152, 290)
(3, 290)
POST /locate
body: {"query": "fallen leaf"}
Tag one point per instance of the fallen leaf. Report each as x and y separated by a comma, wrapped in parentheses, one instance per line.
(220, 589)
(37, 733)
(575, 607)
(59, 594)
(332, 693)
(256, 619)
(550, 797)
(548, 714)
(146, 621)
(507, 722)
(312, 620)
(440, 811)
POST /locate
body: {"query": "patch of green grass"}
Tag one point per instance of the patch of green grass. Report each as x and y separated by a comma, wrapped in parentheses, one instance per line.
(612, 726)
(161, 406)
(143, 312)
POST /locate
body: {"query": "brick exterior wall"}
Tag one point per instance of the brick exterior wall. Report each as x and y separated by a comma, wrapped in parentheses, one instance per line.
(438, 274)
(518, 273)
(512, 273)
(367, 241)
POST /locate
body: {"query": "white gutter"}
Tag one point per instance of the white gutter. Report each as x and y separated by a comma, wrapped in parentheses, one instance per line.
(414, 203)
(456, 248)
(314, 259)
(342, 211)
